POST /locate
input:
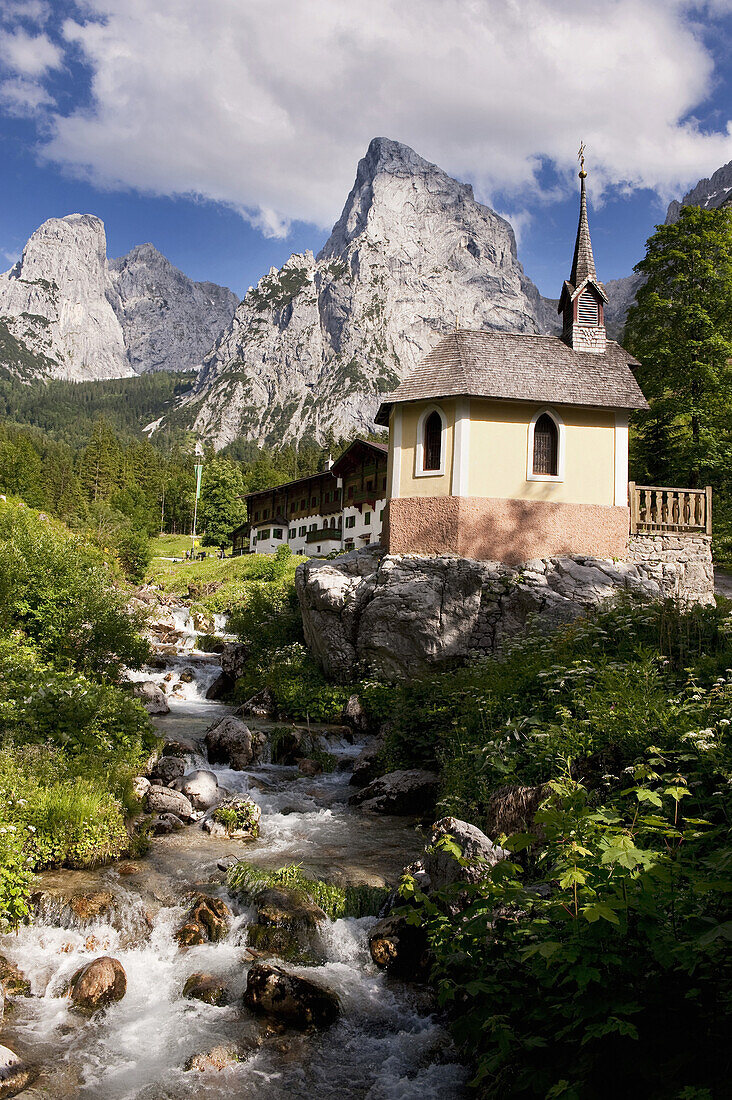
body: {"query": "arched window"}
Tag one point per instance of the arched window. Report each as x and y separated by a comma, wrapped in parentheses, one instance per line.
(546, 446)
(432, 442)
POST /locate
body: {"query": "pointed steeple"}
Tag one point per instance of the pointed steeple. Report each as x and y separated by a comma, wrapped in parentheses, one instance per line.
(583, 296)
(583, 264)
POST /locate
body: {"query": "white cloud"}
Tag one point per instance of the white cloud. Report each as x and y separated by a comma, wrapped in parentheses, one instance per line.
(29, 54)
(21, 97)
(36, 12)
(267, 105)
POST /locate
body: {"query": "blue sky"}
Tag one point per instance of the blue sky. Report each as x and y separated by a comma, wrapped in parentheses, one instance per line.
(228, 132)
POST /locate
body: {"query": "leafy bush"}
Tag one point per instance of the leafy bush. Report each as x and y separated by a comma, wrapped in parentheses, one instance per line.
(296, 683)
(58, 590)
(607, 972)
(247, 880)
(241, 815)
(134, 553)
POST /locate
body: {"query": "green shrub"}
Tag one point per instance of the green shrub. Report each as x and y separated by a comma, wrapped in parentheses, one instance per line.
(59, 591)
(298, 686)
(241, 815)
(134, 553)
(608, 973)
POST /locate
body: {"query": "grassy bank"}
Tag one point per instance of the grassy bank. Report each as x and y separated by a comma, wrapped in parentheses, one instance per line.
(70, 737)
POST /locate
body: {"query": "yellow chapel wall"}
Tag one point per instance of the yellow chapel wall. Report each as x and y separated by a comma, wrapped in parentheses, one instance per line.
(497, 450)
(431, 485)
(498, 454)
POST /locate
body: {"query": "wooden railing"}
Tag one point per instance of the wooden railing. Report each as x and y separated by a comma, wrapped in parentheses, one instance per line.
(678, 511)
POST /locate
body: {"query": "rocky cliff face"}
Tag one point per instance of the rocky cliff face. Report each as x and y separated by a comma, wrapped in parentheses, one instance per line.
(168, 321)
(708, 193)
(54, 303)
(313, 345)
(66, 312)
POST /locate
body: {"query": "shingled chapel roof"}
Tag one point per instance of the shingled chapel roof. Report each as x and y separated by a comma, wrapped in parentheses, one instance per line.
(516, 367)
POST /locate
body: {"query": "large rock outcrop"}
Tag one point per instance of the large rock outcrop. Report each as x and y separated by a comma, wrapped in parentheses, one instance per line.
(54, 302)
(168, 321)
(313, 345)
(67, 312)
(402, 615)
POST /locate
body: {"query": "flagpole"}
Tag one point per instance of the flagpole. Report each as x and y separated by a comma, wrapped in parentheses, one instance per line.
(198, 467)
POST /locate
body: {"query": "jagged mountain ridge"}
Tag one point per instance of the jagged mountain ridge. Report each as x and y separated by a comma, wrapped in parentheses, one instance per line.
(67, 312)
(313, 345)
(169, 322)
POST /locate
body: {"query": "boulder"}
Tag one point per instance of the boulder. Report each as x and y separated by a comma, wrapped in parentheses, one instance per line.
(230, 741)
(140, 786)
(208, 920)
(201, 788)
(511, 808)
(439, 868)
(166, 770)
(289, 744)
(366, 765)
(15, 1075)
(164, 800)
(402, 792)
(151, 696)
(399, 947)
(287, 917)
(220, 1057)
(220, 688)
(187, 676)
(12, 980)
(354, 715)
(296, 1001)
(179, 746)
(309, 767)
(236, 818)
(206, 988)
(98, 984)
(233, 659)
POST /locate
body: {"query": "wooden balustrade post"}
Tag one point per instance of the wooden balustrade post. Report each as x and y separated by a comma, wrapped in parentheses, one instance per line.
(633, 501)
(708, 516)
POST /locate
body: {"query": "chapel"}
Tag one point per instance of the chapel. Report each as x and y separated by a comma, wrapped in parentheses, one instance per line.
(510, 447)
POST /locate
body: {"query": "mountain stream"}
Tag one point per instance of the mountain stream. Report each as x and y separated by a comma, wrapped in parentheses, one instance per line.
(387, 1045)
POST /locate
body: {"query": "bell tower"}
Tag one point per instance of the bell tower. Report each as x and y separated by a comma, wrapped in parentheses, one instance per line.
(583, 297)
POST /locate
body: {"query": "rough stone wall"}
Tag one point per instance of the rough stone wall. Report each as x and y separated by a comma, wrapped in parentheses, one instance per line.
(686, 558)
(399, 615)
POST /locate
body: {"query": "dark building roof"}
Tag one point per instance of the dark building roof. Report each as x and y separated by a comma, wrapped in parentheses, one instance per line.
(289, 484)
(515, 367)
(360, 448)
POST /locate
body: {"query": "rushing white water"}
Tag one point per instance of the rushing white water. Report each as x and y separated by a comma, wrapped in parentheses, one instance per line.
(387, 1044)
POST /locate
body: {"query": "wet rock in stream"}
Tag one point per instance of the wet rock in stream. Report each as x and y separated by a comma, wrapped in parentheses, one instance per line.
(98, 984)
(15, 1075)
(400, 948)
(208, 920)
(201, 788)
(236, 818)
(166, 770)
(151, 696)
(13, 982)
(164, 800)
(294, 1000)
(412, 791)
(230, 741)
(206, 988)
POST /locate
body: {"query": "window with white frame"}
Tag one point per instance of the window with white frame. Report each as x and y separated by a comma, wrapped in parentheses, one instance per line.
(545, 461)
(431, 443)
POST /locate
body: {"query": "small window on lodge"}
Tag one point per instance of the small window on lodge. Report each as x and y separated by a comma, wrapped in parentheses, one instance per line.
(432, 442)
(546, 446)
(588, 309)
